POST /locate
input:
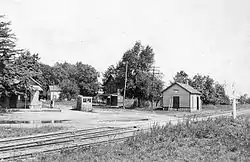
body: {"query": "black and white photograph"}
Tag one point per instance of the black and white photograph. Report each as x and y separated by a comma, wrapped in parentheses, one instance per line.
(124, 80)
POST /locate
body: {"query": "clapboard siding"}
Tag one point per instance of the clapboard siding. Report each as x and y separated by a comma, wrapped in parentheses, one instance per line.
(172, 91)
(193, 101)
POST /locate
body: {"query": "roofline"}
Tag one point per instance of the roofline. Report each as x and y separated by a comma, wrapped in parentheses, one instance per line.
(36, 82)
(180, 86)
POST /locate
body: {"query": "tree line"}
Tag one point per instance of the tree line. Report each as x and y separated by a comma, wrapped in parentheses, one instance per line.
(18, 66)
(212, 92)
(73, 79)
(143, 83)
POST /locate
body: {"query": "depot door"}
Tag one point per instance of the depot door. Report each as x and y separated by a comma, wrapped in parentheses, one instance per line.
(176, 102)
(198, 103)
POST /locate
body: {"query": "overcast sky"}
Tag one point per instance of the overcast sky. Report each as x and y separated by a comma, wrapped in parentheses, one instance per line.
(210, 37)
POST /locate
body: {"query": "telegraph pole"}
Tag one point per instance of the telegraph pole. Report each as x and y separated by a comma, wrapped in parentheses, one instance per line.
(154, 68)
(234, 101)
(125, 84)
(25, 96)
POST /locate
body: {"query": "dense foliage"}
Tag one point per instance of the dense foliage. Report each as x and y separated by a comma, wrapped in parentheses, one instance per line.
(73, 79)
(142, 84)
(16, 66)
(244, 99)
(220, 139)
(212, 92)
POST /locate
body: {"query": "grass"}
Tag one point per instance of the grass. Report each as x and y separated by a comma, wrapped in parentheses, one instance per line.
(225, 107)
(6, 132)
(219, 139)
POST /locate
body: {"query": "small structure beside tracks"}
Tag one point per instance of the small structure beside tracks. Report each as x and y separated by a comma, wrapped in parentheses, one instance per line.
(181, 97)
(84, 103)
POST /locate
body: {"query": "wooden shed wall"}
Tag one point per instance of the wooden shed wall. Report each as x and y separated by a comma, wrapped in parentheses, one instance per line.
(193, 101)
(182, 93)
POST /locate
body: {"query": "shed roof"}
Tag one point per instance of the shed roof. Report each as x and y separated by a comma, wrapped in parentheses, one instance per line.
(55, 88)
(186, 87)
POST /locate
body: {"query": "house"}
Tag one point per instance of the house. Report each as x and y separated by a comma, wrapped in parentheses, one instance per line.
(111, 95)
(28, 99)
(54, 92)
(181, 97)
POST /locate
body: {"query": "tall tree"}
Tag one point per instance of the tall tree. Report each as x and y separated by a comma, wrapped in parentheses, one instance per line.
(139, 60)
(243, 99)
(17, 66)
(110, 71)
(220, 94)
(87, 79)
(182, 77)
(47, 77)
(9, 77)
(70, 89)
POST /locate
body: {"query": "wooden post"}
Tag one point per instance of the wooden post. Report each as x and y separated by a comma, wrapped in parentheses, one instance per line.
(125, 84)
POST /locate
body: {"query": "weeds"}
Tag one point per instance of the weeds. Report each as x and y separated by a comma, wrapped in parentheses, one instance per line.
(219, 139)
(6, 132)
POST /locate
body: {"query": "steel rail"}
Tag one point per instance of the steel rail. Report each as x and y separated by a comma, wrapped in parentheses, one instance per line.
(75, 146)
(70, 143)
(4, 140)
(50, 141)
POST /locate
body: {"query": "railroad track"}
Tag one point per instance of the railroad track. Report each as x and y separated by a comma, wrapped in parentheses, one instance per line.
(28, 146)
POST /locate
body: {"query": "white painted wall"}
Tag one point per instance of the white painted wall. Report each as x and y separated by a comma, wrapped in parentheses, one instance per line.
(54, 95)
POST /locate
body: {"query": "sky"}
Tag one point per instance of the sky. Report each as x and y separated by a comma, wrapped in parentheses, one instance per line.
(209, 37)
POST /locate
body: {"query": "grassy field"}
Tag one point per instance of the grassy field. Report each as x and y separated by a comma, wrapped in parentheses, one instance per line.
(6, 132)
(219, 139)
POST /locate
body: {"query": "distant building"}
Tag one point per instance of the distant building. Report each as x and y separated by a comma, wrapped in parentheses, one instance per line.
(54, 92)
(22, 100)
(181, 97)
(111, 95)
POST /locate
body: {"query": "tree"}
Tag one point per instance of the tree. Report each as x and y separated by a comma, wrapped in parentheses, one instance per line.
(110, 71)
(181, 77)
(212, 92)
(9, 76)
(7, 55)
(248, 100)
(243, 99)
(17, 66)
(70, 90)
(47, 76)
(220, 95)
(87, 79)
(139, 77)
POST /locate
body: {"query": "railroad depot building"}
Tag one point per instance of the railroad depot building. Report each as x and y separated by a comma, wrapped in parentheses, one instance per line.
(181, 97)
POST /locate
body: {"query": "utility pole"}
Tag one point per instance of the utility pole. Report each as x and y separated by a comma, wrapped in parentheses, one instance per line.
(154, 68)
(25, 95)
(125, 84)
(234, 101)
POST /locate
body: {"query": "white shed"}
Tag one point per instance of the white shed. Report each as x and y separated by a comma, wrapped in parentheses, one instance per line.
(181, 97)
